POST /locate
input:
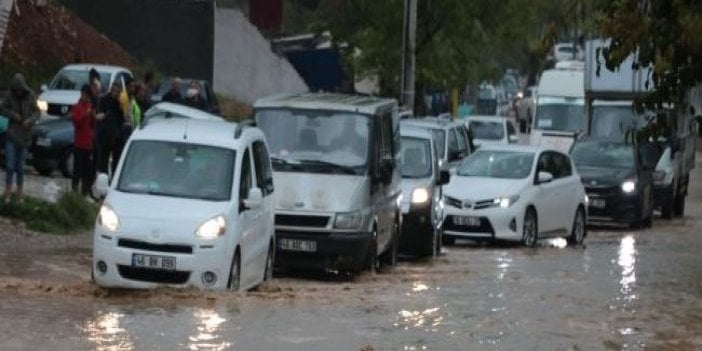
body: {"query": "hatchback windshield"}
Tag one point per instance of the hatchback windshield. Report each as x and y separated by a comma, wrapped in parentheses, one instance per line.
(487, 130)
(497, 164)
(70, 79)
(603, 154)
(416, 158)
(178, 170)
(560, 114)
(316, 141)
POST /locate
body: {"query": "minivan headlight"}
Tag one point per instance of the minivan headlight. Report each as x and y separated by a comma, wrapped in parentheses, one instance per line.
(212, 228)
(108, 218)
(420, 196)
(348, 220)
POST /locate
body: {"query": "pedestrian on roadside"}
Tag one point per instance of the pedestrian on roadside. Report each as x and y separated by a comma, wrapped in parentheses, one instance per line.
(93, 75)
(132, 113)
(83, 116)
(109, 122)
(20, 107)
(194, 98)
(143, 98)
(173, 95)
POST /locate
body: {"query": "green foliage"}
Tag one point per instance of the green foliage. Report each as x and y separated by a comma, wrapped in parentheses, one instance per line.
(69, 214)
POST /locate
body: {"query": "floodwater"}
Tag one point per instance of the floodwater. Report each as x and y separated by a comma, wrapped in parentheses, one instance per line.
(625, 290)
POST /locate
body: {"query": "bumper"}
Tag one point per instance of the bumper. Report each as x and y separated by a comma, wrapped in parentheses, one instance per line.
(188, 272)
(495, 223)
(417, 230)
(617, 208)
(338, 251)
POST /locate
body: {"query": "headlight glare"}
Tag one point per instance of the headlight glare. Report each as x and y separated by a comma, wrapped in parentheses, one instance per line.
(505, 202)
(42, 105)
(212, 228)
(348, 220)
(420, 196)
(108, 219)
(629, 186)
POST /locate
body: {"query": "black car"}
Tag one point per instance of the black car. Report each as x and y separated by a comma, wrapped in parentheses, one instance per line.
(618, 180)
(52, 146)
(206, 93)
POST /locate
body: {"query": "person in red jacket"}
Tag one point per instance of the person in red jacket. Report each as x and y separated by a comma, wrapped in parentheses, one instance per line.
(83, 115)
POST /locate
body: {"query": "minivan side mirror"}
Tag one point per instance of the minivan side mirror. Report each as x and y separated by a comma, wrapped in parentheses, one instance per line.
(43, 87)
(444, 177)
(544, 177)
(102, 185)
(255, 199)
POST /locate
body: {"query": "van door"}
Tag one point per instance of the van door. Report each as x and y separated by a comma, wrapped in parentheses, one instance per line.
(248, 222)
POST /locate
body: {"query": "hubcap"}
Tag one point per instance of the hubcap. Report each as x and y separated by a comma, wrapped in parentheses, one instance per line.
(529, 230)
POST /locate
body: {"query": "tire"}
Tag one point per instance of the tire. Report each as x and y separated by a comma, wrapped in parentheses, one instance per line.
(667, 207)
(234, 282)
(648, 221)
(270, 259)
(44, 171)
(530, 229)
(579, 230)
(679, 206)
(447, 240)
(638, 223)
(389, 257)
(67, 162)
(439, 241)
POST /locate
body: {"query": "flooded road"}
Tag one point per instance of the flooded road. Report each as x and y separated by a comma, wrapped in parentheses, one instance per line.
(626, 290)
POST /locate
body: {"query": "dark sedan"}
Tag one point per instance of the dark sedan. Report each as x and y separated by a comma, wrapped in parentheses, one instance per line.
(52, 146)
(618, 181)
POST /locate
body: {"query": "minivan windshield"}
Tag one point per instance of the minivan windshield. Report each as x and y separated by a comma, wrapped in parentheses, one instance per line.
(73, 79)
(497, 164)
(316, 141)
(416, 158)
(560, 114)
(603, 154)
(178, 169)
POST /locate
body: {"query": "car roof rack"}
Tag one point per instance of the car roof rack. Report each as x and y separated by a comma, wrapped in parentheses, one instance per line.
(241, 125)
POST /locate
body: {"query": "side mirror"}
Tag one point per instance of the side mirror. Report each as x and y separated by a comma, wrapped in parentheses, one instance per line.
(255, 199)
(513, 139)
(44, 87)
(102, 185)
(544, 177)
(444, 177)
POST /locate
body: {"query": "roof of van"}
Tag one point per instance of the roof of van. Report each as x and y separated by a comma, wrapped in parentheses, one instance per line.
(98, 67)
(412, 131)
(562, 83)
(328, 101)
(205, 132)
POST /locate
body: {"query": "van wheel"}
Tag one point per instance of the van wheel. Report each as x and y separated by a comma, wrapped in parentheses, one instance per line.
(679, 206)
(268, 273)
(667, 207)
(389, 257)
(372, 254)
(235, 272)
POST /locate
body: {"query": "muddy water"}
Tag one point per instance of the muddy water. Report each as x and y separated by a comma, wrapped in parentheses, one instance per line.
(626, 290)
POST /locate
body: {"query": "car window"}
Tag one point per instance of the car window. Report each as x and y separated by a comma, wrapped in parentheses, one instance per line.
(562, 166)
(387, 135)
(453, 142)
(264, 174)
(462, 142)
(486, 130)
(547, 164)
(246, 180)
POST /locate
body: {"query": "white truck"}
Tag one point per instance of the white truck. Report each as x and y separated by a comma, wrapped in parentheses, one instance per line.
(609, 110)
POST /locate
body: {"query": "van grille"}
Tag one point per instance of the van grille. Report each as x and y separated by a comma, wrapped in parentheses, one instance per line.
(302, 221)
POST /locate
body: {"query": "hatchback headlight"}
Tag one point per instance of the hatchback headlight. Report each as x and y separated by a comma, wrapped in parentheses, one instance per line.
(505, 202)
(108, 218)
(420, 196)
(42, 105)
(212, 228)
(348, 220)
(629, 186)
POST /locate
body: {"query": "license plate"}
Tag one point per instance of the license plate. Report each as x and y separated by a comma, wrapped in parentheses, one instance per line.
(598, 203)
(466, 221)
(154, 262)
(297, 245)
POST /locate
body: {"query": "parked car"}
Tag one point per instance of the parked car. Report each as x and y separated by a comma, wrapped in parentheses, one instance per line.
(57, 97)
(422, 180)
(516, 193)
(458, 147)
(525, 109)
(336, 162)
(492, 100)
(618, 179)
(51, 148)
(491, 130)
(215, 180)
(206, 93)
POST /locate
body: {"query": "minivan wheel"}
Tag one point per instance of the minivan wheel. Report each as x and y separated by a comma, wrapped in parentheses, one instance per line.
(577, 235)
(372, 255)
(530, 234)
(679, 206)
(667, 207)
(389, 257)
(235, 273)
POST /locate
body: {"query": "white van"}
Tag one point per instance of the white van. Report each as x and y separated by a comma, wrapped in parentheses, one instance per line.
(336, 162)
(191, 204)
(559, 115)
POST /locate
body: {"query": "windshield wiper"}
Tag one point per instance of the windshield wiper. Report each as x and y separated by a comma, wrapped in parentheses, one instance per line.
(330, 166)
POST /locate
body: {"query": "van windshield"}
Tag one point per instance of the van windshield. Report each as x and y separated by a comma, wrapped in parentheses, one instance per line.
(316, 141)
(615, 121)
(560, 114)
(603, 154)
(178, 170)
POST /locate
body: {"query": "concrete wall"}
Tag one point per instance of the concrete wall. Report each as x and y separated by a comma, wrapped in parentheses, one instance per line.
(245, 67)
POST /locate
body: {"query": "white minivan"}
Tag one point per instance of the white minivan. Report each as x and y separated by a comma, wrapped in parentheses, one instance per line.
(191, 204)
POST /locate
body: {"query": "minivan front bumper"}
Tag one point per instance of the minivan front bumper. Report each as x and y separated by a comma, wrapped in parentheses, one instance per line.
(333, 250)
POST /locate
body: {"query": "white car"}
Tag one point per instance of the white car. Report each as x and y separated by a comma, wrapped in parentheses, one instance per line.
(191, 205)
(172, 110)
(57, 97)
(488, 130)
(516, 193)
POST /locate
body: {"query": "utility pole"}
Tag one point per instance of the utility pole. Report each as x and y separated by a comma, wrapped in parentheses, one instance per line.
(408, 55)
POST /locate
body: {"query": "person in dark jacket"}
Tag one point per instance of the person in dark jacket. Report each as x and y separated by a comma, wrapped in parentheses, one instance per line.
(173, 95)
(108, 128)
(20, 108)
(83, 116)
(143, 98)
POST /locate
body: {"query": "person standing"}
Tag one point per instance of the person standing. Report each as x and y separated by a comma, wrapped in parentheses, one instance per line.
(20, 107)
(173, 95)
(110, 119)
(83, 116)
(143, 98)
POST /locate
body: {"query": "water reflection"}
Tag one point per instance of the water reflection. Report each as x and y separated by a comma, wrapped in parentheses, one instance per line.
(559, 243)
(107, 334)
(208, 325)
(504, 262)
(627, 262)
(428, 319)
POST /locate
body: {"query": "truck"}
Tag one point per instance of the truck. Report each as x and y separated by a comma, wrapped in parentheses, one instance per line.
(610, 112)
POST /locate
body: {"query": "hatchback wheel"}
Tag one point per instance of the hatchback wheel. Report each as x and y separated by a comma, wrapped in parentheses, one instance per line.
(579, 230)
(530, 234)
(235, 273)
